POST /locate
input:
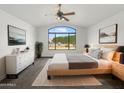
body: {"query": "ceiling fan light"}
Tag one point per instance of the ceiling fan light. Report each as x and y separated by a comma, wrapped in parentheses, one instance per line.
(58, 18)
(62, 19)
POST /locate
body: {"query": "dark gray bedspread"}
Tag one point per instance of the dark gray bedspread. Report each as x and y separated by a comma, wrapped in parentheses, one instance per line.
(81, 62)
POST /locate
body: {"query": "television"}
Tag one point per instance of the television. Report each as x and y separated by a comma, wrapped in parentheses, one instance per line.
(16, 36)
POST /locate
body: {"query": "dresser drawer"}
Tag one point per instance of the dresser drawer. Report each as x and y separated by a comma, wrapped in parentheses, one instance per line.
(20, 58)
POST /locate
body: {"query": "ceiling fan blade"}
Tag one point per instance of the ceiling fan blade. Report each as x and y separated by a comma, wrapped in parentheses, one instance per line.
(70, 13)
(50, 14)
(66, 18)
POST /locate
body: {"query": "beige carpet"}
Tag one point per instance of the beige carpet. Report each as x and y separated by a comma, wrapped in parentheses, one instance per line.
(41, 80)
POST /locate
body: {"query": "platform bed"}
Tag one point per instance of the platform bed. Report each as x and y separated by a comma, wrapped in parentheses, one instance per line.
(51, 73)
(80, 65)
(105, 68)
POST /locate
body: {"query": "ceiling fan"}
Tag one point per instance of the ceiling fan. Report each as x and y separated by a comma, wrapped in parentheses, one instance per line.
(61, 15)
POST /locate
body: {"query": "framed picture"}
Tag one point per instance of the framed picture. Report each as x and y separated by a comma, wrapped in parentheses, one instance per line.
(108, 35)
(16, 36)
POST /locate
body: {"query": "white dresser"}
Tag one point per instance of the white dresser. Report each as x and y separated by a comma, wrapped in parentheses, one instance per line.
(15, 63)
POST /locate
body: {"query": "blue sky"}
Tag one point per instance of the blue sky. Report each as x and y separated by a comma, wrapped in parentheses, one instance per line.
(60, 30)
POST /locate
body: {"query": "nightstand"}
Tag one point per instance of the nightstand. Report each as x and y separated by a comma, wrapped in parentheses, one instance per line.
(118, 70)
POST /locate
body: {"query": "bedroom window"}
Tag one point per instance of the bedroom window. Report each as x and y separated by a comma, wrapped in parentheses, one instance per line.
(61, 37)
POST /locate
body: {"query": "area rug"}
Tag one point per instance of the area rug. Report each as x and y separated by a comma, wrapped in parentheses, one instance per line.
(83, 80)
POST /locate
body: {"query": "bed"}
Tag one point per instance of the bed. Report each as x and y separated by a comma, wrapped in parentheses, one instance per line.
(79, 64)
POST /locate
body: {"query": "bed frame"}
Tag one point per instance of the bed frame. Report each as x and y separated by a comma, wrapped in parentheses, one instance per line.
(94, 71)
(51, 73)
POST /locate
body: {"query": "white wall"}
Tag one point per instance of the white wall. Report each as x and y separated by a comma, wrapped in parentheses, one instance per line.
(6, 19)
(93, 31)
(42, 36)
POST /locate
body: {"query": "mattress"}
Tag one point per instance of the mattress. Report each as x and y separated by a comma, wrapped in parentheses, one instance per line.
(103, 63)
(60, 62)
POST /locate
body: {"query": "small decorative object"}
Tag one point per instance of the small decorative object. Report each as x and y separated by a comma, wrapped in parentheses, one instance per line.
(16, 36)
(17, 50)
(13, 51)
(38, 49)
(27, 48)
(108, 34)
(87, 47)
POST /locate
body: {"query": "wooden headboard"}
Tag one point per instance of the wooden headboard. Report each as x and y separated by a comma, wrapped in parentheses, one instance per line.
(108, 46)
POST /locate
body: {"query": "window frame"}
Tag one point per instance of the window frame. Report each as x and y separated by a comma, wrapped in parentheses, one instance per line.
(62, 33)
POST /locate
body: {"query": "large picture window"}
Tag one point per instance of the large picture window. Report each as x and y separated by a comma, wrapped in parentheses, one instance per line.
(62, 37)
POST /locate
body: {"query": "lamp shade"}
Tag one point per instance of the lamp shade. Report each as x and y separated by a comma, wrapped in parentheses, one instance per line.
(86, 46)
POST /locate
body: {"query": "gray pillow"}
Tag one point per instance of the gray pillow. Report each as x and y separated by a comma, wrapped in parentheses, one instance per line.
(96, 53)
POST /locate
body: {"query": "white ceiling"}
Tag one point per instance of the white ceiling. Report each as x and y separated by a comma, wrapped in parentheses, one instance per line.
(86, 15)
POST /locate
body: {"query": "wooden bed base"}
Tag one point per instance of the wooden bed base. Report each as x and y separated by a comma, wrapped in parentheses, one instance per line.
(78, 72)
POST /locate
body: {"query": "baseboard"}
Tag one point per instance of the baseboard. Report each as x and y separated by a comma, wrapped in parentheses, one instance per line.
(2, 77)
(47, 57)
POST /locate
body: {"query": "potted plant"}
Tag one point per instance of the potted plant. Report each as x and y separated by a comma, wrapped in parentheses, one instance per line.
(38, 49)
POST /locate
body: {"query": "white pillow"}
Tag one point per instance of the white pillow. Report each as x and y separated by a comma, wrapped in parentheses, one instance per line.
(108, 55)
(96, 53)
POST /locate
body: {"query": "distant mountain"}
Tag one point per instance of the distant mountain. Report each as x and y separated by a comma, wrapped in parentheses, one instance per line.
(103, 35)
(64, 39)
